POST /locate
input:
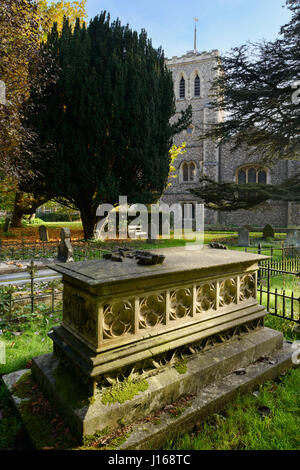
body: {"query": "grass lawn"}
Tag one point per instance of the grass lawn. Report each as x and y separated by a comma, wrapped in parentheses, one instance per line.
(241, 425)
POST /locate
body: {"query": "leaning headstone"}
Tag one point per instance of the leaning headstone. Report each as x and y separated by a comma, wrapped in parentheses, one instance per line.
(268, 232)
(243, 237)
(6, 225)
(43, 232)
(65, 249)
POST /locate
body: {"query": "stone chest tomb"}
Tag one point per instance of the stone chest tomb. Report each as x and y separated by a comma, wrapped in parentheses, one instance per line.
(116, 315)
(176, 328)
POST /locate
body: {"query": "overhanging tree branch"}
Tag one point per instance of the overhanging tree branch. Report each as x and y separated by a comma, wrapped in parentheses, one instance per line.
(232, 196)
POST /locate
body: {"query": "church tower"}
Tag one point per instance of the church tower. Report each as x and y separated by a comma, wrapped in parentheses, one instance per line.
(193, 74)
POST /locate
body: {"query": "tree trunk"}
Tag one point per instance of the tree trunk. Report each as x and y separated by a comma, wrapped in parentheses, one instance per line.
(25, 204)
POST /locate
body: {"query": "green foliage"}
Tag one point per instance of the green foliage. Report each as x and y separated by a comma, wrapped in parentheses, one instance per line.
(255, 89)
(32, 341)
(28, 223)
(88, 440)
(123, 391)
(177, 412)
(118, 441)
(104, 127)
(233, 196)
(6, 293)
(181, 366)
(58, 217)
(55, 12)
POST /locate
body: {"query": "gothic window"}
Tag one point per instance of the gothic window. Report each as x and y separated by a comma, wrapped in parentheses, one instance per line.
(185, 172)
(242, 177)
(188, 172)
(182, 88)
(262, 177)
(252, 174)
(197, 86)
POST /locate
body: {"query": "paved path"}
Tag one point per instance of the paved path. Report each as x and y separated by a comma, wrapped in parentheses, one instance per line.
(17, 274)
(20, 278)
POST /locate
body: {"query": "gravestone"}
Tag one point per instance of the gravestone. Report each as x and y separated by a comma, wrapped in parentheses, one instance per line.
(65, 249)
(6, 225)
(43, 232)
(292, 243)
(243, 237)
(268, 232)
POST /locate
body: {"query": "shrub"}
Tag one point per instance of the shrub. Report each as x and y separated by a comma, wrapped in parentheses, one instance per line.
(59, 217)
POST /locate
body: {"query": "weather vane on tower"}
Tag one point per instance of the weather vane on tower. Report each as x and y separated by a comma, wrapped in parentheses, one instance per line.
(195, 35)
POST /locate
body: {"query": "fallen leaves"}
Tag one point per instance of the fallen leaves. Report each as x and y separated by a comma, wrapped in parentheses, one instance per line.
(241, 371)
(264, 411)
(266, 360)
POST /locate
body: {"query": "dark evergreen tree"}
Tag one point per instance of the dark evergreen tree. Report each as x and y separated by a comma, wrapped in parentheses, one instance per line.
(105, 125)
(254, 90)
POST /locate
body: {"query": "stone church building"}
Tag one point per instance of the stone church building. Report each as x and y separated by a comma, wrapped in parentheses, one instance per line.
(192, 75)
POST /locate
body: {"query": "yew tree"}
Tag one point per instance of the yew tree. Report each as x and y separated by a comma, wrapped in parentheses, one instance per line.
(104, 126)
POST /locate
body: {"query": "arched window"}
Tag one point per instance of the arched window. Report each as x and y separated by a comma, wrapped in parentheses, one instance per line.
(252, 174)
(185, 172)
(242, 177)
(197, 86)
(182, 88)
(188, 172)
(262, 177)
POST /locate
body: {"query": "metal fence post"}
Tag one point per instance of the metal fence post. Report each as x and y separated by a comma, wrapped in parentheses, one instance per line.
(23, 248)
(52, 299)
(10, 305)
(268, 288)
(31, 269)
